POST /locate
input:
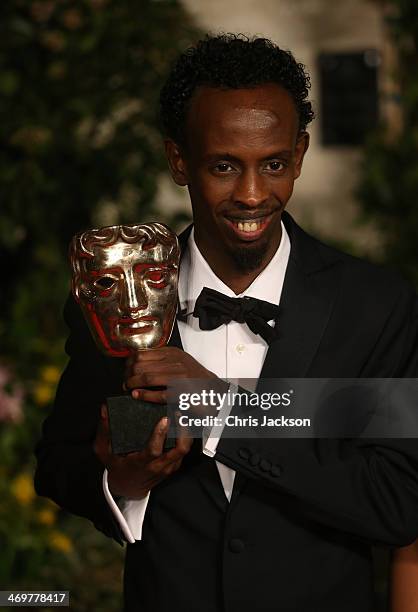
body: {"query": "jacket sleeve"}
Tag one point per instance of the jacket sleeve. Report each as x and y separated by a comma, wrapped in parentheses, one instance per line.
(366, 488)
(68, 470)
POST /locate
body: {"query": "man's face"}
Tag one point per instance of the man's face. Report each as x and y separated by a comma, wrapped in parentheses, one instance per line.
(242, 156)
(128, 295)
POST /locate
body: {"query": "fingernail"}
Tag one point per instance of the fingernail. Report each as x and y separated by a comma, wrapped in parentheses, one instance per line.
(136, 394)
(164, 423)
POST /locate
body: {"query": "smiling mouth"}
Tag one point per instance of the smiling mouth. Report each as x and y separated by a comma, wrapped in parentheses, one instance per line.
(250, 227)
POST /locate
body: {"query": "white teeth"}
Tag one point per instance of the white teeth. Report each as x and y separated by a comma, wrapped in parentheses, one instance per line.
(248, 226)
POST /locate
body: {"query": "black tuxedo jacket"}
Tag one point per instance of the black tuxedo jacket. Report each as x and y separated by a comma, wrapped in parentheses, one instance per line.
(304, 513)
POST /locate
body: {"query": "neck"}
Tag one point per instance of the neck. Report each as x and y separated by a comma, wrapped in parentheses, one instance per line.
(234, 279)
(226, 269)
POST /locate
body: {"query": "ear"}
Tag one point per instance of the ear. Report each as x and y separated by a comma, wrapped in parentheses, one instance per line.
(176, 162)
(302, 145)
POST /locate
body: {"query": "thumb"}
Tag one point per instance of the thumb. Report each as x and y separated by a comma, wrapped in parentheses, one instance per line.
(104, 417)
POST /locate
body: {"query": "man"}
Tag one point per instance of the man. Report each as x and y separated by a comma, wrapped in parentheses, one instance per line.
(262, 525)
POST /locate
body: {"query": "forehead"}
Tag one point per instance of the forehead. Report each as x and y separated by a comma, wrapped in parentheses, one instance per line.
(121, 254)
(264, 115)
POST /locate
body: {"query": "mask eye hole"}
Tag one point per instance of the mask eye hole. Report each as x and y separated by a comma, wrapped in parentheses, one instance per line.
(155, 276)
(105, 283)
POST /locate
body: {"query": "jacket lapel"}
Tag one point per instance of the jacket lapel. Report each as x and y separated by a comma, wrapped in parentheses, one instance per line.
(309, 291)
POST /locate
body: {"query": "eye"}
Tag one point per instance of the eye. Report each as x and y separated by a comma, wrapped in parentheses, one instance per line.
(275, 166)
(104, 283)
(223, 168)
(155, 275)
(156, 278)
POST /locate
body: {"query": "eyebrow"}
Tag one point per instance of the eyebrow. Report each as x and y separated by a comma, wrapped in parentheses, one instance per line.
(232, 158)
(96, 272)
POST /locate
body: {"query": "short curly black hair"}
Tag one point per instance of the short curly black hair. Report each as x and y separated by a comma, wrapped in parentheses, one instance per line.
(230, 61)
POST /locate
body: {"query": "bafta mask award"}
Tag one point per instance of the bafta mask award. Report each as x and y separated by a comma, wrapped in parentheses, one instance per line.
(124, 278)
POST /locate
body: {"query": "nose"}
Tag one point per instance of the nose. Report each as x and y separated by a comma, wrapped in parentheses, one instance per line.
(133, 296)
(251, 189)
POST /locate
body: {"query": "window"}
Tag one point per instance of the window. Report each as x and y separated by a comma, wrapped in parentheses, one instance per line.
(349, 108)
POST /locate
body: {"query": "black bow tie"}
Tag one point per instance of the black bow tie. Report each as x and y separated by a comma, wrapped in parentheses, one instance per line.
(214, 309)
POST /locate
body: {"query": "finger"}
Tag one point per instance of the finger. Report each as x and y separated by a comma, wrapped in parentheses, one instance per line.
(184, 441)
(104, 417)
(156, 354)
(170, 468)
(150, 395)
(148, 381)
(183, 445)
(130, 360)
(154, 367)
(101, 445)
(145, 379)
(155, 445)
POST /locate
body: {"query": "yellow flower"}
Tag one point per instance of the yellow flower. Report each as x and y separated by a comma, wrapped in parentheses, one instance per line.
(43, 393)
(46, 517)
(22, 489)
(50, 374)
(60, 542)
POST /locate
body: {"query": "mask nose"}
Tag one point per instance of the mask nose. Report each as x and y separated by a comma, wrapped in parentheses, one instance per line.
(133, 296)
(251, 189)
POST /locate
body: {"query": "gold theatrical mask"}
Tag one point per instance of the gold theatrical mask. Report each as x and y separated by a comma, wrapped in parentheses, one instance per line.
(125, 280)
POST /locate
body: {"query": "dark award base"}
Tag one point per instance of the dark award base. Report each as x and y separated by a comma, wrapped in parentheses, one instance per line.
(132, 422)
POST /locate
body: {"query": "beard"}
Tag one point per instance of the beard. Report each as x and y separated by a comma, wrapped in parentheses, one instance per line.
(249, 258)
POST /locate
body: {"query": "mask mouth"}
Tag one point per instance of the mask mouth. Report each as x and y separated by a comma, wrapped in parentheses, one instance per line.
(133, 326)
(135, 319)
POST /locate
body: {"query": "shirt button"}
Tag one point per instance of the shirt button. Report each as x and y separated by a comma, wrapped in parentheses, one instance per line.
(236, 545)
(244, 453)
(254, 459)
(265, 465)
(240, 348)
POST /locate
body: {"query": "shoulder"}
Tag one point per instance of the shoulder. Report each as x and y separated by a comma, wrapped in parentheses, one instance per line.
(80, 342)
(360, 280)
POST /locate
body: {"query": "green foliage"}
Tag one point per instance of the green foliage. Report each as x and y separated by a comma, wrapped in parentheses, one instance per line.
(79, 84)
(389, 187)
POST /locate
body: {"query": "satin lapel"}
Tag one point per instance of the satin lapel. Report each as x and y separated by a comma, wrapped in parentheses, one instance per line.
(309, 291)
(175, 339)
(305, 308)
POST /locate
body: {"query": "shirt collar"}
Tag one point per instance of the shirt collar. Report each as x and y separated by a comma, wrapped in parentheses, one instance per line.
(195, 273)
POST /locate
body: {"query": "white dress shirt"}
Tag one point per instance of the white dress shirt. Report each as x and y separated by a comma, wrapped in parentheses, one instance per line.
(231, 351)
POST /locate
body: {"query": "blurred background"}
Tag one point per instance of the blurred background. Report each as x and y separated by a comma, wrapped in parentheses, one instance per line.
(79, 84)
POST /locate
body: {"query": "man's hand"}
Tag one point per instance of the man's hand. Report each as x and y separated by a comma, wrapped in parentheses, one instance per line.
(156, 367)
(135, 474)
